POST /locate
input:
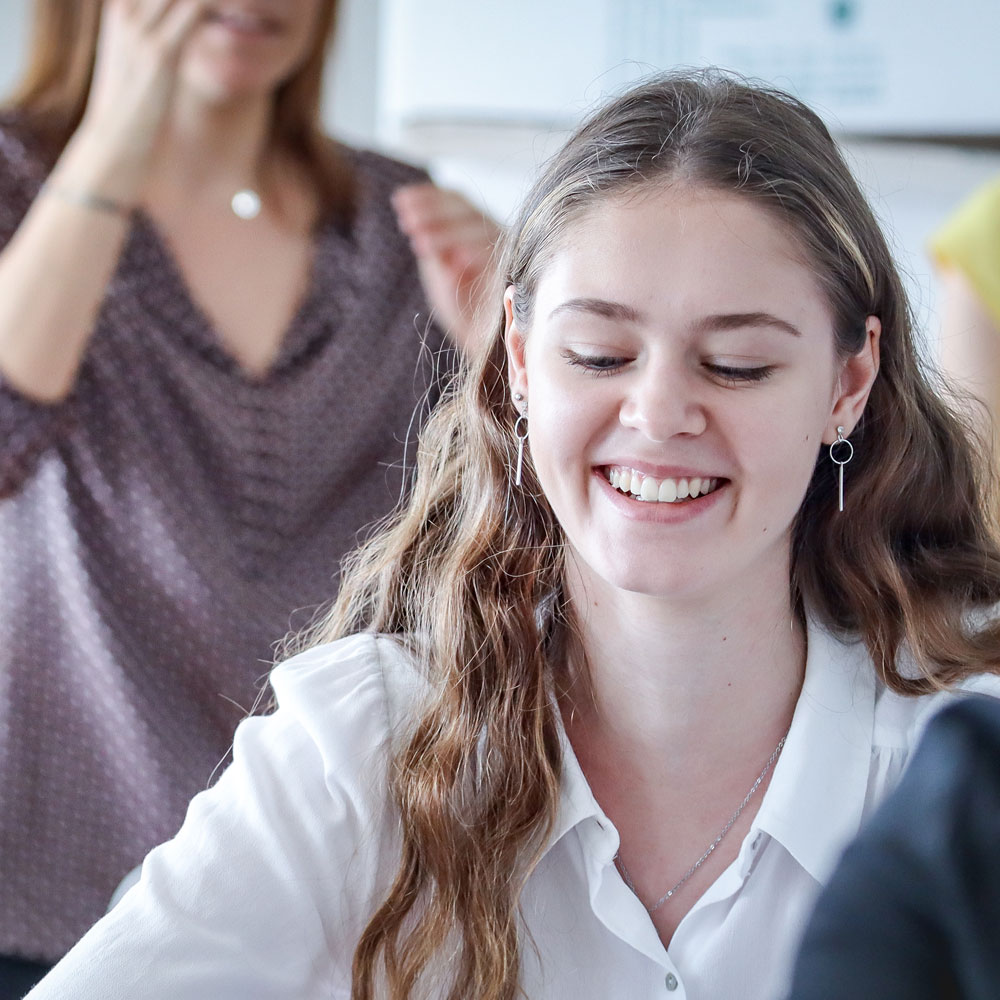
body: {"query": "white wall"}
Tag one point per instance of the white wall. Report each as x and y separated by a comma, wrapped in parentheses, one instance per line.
(13, 38)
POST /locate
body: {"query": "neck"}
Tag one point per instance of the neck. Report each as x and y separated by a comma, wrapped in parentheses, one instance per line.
(214, 149)
(722, 674)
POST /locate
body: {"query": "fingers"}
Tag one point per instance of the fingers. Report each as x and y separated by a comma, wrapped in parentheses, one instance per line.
(445, 223)
(142, 14)
(149, 13)
(453, 242)
(426, 206)
(180, 20)
(168, 20)
(139, 48)
(469, 240)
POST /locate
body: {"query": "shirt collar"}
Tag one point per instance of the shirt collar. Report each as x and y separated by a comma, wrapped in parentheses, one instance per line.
(576, 800)
(815, 802)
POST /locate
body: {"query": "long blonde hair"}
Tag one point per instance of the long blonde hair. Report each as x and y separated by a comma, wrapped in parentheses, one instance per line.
(470, 573)
(53, 90)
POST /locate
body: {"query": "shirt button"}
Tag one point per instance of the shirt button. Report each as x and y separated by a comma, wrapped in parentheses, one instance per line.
(671, 982)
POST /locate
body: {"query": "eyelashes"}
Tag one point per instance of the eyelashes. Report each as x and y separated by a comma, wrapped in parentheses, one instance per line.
(596, 364)
(601, 365)
(733, 375)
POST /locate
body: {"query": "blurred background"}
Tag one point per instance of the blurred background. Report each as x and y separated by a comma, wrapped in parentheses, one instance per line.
(481, 92)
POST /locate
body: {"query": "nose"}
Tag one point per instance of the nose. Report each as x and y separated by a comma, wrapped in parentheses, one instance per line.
(663, 400)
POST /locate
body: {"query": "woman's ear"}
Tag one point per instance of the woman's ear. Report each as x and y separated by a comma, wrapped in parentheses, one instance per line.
(517, 374)
(854, 384)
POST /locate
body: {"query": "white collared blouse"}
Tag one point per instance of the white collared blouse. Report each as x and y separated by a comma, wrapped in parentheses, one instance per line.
(268, 885)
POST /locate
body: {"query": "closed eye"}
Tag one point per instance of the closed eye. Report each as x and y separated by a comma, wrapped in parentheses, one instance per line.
(735, 374)
(597, 364)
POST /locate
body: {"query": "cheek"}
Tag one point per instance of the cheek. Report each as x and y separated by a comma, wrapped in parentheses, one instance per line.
(564, 421)
(307, 27)
(556, 437)
(786, 447)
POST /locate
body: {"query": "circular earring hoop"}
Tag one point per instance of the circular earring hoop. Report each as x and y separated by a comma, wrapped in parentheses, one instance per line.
(521, 434)
(841, 461)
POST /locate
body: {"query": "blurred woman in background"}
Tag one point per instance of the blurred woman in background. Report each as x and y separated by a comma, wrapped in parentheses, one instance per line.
(213, 338)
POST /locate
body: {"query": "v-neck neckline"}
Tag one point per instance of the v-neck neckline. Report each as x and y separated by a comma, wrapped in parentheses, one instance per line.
(192, 322)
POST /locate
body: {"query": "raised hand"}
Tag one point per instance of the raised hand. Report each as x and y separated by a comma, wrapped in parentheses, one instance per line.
(454, 243)
(135, 73)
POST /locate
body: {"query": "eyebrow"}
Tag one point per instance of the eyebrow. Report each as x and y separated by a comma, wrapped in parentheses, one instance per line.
(736, 321)
(599, 307)
(708, 324)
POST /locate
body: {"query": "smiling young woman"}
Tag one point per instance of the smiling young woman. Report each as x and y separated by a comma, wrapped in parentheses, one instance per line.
(679, 336)
(598, 709)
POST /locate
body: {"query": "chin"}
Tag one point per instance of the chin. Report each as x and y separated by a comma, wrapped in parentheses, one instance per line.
(664, 581)
(220, 84)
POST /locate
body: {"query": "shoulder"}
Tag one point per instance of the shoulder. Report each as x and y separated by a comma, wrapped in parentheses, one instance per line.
(363, 682)
(981, 210)
(378, 172)
(841, 672)
(23, 169)
(987, 200)
(21, 154)
(970, 237)
(900, 720)
(375, 178)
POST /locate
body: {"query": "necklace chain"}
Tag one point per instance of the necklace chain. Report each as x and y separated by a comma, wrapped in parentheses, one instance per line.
(711, 847)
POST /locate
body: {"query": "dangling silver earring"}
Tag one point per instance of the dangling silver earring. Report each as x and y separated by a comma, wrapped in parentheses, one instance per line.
(845, 457)
(521, 433)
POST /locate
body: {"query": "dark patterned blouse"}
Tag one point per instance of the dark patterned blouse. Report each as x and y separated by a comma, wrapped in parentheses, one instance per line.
(162, 529)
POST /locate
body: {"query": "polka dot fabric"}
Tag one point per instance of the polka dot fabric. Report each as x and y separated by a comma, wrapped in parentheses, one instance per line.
(165, 526)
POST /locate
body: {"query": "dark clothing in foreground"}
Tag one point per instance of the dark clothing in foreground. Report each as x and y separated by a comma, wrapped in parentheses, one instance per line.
(18, 976)
(913, 911)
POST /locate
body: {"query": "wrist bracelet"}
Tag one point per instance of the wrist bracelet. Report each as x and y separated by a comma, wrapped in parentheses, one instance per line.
(88, 199)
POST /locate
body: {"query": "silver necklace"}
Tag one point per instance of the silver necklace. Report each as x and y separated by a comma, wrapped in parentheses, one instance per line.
(711, 847)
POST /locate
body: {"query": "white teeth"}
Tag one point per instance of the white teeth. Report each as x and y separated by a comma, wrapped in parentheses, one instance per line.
(668, 490)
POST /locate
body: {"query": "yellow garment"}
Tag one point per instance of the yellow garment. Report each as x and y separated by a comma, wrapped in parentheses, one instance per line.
(970, 242)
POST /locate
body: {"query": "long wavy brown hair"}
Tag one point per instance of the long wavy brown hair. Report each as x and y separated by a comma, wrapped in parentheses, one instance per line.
(470, 573)
(53, 90)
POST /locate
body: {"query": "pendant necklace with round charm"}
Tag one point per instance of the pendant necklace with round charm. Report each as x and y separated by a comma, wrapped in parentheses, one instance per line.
(246, 203)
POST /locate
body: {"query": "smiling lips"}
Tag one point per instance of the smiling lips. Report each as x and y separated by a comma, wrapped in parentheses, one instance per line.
(643, 487)
(244, 21)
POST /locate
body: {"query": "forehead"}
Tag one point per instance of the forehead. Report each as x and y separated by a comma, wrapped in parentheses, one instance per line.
(685, 247)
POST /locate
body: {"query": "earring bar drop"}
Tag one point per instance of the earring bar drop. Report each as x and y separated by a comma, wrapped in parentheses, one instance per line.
(521, 438)
(841, 462)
